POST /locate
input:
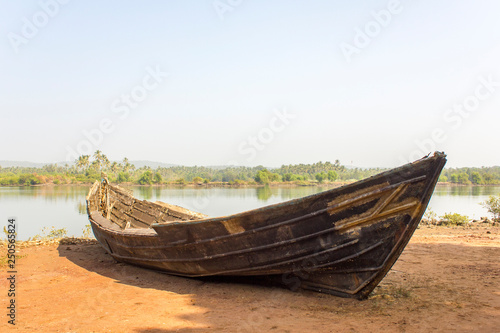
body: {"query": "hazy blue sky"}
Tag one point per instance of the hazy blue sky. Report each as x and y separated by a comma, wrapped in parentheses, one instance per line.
(373, 83)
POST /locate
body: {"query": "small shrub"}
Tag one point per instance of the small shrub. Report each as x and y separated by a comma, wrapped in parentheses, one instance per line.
(57, 233)
(454, 219)
(87, 231)
(493, 206)
(430, 216)
(51, 233)
(402, 292)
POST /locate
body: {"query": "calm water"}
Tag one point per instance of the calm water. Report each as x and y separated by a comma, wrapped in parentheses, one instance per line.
(64, 206)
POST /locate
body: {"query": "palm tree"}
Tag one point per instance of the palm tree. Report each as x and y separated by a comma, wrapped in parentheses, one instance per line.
(95, 165)
(126, 165)
(105, 162)
(115, 167)
(97, 154)
(86, 161)
(79, 162)
(97, 159)
(101, 159)
(83, 162)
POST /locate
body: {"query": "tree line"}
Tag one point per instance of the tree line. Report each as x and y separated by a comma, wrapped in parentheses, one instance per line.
(88, 168)
(474, 176)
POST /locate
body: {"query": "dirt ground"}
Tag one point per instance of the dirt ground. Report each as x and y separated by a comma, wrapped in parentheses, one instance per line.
(447, 279)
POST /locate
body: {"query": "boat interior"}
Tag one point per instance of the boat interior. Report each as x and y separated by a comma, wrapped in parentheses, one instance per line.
(118, 205)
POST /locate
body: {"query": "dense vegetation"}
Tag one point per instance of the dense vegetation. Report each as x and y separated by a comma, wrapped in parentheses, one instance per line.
(87, 169)
(475, 176)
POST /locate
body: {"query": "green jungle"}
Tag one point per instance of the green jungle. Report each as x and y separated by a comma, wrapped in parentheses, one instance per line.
(88, 169)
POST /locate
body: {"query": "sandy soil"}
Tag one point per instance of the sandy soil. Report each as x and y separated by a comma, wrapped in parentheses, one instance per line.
(446, 279)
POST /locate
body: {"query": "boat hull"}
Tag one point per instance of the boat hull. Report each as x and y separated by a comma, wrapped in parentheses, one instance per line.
(342, 241)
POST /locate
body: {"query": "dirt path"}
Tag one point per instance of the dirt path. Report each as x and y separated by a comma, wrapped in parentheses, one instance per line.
(446, 279)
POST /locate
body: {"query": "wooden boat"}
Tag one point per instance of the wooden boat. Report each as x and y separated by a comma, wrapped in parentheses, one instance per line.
(342, 241)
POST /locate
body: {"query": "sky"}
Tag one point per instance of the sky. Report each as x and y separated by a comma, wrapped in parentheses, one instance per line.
(235, 82)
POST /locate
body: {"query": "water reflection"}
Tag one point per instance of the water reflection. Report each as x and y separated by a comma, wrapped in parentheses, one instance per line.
(82, 207)
(286, 193)
(289, 193)
(146, 192)
(158, 191)
(466, 190)
(264, 193)
(67, 192)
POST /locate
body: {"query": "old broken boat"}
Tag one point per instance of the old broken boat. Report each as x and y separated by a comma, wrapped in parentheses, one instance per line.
(342, 241)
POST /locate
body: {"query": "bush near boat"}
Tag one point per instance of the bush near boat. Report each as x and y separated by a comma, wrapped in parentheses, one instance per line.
(456, 219)
(87, 169)
(493, 206)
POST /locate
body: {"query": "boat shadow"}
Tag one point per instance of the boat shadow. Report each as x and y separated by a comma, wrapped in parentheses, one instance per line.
(92, 257)
(207, 295)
